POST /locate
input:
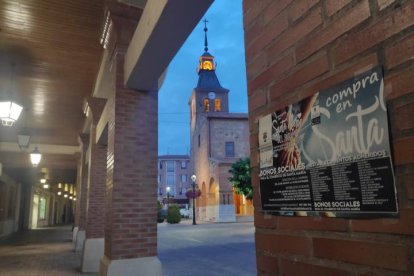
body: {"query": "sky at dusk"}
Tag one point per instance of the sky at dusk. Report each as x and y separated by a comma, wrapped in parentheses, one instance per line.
(226, 44)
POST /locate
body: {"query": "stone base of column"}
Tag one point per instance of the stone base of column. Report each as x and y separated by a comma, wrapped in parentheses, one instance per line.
(93, 251)
(80, 238)
(148, 266)
(75, 233)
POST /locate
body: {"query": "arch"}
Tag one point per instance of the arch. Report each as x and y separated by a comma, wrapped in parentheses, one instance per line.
(213, 197)
(203, 198)
(206, 104)
(213, 186)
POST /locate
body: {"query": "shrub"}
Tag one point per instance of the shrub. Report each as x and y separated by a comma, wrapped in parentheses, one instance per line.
(160, 215)
(173, 215)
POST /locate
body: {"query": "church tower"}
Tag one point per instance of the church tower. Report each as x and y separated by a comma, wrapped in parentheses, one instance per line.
(208, 96)
(218, 139)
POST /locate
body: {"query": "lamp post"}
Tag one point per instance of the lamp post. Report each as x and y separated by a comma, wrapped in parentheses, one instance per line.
(193, 179)
(168, 197)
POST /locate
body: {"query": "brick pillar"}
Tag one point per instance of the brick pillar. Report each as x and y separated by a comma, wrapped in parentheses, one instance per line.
(81, 192)
(131, 203)
(95, 206)
(77, 203)
(77, 188)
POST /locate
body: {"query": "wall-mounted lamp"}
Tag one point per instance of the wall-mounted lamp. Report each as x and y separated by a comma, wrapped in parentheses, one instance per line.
(9, 112)
(45, 186)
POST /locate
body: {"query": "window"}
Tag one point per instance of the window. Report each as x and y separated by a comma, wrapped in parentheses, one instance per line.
(170, 166)
(160, 165)
(217, 105)
(170, 180)
(160, 191)
(183, 165)
(183, 178)
(229, 149)
(172, 191)
(42, 209)
(159, 178)
(199, 140)
(206, 103)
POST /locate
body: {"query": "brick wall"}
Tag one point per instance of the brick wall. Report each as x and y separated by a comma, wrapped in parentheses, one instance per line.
(296, 48)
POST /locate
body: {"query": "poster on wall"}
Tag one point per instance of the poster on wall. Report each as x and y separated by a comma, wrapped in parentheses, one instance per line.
(329, 154)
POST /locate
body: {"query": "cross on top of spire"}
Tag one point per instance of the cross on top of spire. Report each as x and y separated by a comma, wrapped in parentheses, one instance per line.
(205, 36)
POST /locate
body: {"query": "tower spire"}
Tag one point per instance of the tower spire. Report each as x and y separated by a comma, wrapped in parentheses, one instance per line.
(205, 36)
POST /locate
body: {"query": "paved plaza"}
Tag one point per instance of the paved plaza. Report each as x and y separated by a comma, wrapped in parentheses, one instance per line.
(184, 249)
(207, 249)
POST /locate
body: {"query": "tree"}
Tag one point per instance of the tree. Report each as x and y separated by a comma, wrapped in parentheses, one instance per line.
(241, 179)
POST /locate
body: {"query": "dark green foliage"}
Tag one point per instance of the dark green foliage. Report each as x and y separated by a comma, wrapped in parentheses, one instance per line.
(173, 215)
(160, 216)
(241, 179)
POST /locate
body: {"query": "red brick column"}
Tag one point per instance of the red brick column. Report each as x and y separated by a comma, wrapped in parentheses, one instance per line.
(93, 248)
(95, 221)
(294, 49)
(77, 189)
(81, 188)
(131, 228)
(81, 194)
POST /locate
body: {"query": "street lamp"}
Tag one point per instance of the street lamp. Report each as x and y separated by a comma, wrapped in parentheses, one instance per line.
(168, 196)
(193, 179)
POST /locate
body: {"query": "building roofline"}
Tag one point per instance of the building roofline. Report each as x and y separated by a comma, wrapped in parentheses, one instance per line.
(236, 116)
(173, 157)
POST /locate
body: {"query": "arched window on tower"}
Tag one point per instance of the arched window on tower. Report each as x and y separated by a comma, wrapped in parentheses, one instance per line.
(217, 105)
(206, 104)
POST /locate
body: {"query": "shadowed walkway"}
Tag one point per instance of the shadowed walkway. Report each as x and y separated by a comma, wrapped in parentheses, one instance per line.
(45, 251)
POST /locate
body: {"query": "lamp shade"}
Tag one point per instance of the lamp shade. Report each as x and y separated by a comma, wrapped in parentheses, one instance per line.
(23, 141)
(9, 112)
(193, 177)
(35, 157)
